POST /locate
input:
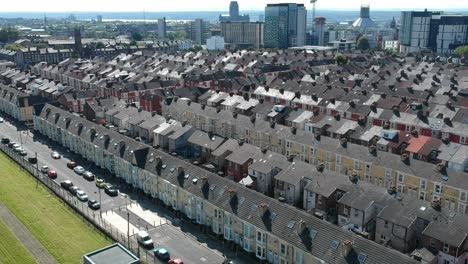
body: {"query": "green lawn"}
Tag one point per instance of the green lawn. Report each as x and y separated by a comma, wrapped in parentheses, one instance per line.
(11, 249)
(65, 235)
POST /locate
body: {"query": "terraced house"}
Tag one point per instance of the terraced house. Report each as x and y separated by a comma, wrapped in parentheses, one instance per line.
(399, 173)
(268, 229)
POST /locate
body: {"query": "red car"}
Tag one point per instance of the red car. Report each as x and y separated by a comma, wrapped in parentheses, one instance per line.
(52, 174)
(175, 261)
(71, 164)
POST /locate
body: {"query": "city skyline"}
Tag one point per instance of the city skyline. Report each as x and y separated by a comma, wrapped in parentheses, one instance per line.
(213, 5)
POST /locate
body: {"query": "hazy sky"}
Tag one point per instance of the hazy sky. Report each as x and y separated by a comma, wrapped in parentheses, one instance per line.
(210, 5)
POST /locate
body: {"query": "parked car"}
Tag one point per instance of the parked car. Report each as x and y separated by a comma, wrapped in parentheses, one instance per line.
(228, 261)
(44, 169)
(52, 174)
(88, 176)
(79, 170)
(110, 190)
(81, 195)
(66, 184)
(100, 183)
(32, 160)
(5, 140)
(73, 190)
(71, 164)
(161, 253)
(55, 155)
(2, 120)
(23, 153)
(175, 261)
(144, 239)
(11, 144)
(93, 204)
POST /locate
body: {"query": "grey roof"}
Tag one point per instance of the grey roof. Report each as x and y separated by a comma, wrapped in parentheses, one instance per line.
(361, 197)
(405, 212)
(452, 230)
(270, 160)
(318, 246)
(203, 139)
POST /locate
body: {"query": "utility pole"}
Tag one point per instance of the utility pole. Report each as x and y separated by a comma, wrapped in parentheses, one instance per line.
(37, 169)
(128, 229)
(100, 205)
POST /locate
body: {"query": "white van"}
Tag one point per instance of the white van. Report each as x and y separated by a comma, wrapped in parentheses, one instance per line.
(144, 239)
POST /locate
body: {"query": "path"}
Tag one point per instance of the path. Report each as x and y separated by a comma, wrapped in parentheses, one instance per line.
(38, 251)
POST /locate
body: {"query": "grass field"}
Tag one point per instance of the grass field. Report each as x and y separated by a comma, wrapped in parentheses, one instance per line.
(65, 235)
(11, 249)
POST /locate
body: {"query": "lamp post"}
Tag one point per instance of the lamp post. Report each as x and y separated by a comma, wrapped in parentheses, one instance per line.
(128, 229)
(100, 204)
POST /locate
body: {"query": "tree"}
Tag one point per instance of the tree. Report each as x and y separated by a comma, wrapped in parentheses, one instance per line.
(137, 36)
(9, 34)
(462, 51)
(363, 43)
(100, 45)
(340, 59)
(14, 47)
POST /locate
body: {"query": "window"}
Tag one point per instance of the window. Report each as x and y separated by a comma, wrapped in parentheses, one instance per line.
(401, 178)
(338, 159)
(446, 248)
(463, 196)
(438, 188)
(227, 219)
(423, 184)
(312, 152)
(247, 230)
(247, 245)
(386, 225)
(217, 213)
(284, 249)
(288, 144)
(382, 237)
(260, 252)
(299, 259)
(356, 213)
(357, 165)
(261, 237)
(368, 167)
(422, 195)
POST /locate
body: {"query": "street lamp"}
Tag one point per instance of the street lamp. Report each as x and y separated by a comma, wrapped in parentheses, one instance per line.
(100, 204)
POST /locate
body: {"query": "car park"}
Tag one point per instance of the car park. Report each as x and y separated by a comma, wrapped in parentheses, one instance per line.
(81, 195)
(161, 253)
(73, 189)
(55, 155)
(44, 169)
(79, 170)
(5, 140)
(52, 174)
(66, 184)
(93, 204)
(88, 176)
(100, 183)
(110, 190)
(71, 164)
(144, 239)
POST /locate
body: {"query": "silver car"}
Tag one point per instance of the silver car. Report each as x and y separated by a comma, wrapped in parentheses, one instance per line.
(79, 170)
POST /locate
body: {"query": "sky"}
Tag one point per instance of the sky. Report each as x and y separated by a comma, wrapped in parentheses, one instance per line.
(212, 5)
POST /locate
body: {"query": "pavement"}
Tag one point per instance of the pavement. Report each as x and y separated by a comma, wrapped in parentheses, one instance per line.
(37, 250)
(192, 247)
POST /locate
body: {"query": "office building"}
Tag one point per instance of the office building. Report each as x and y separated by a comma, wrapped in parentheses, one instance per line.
(434, 31)
(198, 31)
(234, 15)
(285, 25)
(162, 28)
(320, 29)
(243, 34)
(99, 18)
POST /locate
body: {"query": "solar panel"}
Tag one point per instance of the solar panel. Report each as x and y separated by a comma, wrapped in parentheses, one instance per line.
(362, 257)
(334, 244)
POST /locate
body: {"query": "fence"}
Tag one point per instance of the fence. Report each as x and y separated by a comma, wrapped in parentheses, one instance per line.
(91, 216)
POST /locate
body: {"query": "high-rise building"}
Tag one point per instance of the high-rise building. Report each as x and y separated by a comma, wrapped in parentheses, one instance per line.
(234, 15)
(78, 40)
(162, 28)
(243, 34)
(99, 18)
(198, 31)
(319, 30)
(435, 31)
(285, 25)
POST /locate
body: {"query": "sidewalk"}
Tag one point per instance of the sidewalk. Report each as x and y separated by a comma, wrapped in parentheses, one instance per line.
(38, 251)
(119, 222)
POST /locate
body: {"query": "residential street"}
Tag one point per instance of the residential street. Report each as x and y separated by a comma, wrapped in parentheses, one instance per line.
(145, 216)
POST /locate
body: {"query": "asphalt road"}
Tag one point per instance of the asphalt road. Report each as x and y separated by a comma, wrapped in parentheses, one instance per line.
(171, 238)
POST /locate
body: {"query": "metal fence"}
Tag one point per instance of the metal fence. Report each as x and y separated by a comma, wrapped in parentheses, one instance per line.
(92, 217)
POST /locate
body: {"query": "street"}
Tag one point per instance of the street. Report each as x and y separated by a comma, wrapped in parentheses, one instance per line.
(144, 216)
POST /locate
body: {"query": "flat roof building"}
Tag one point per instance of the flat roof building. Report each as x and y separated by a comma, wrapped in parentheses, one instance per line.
(113, 254)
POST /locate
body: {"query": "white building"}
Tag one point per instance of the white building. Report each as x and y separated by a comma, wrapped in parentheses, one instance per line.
(215, 43)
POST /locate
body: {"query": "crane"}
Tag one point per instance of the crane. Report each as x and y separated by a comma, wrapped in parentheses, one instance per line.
(313, 10)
